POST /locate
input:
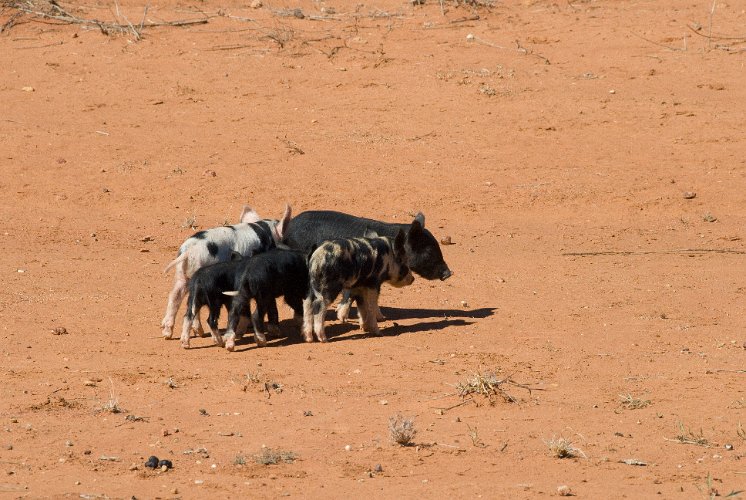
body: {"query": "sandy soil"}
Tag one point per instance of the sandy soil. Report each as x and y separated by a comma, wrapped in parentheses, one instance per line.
(553, 142)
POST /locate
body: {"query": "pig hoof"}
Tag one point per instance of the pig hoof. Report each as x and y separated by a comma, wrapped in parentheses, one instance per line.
(185, 345)
(166, 333)
(230, 345)
(261, 343)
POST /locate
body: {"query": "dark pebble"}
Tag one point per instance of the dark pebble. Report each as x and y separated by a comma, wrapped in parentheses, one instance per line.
(152, 462)
(167, 463)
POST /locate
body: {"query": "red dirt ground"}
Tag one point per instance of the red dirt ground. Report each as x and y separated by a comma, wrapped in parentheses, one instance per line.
(530, 134)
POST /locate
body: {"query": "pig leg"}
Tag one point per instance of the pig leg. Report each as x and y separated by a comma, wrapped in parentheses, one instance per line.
(296, 303)
(319, 307)
(237, 319)
(186, 329)
(257, 321)
(379, 314)
(174, 301)
(212, 324)
(367, 305)
(197, 326)
(273, 318)
(307, 328)
(343, 309)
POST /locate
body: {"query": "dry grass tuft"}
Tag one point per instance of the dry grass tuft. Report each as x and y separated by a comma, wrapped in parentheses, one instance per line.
(401, 430)
(561, 447)
(268, 456)
(688, 437)
(632, 403)
(488, 384)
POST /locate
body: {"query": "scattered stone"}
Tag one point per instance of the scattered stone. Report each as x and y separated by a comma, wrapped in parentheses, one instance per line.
(210, 173)
(256, 4)
(634, 461)
(564, 491)
(348, 448)
(133, 467)
(28, 89)
(9, 447)
(89, 383)
(689, 195)
(308, 413)
(15, 420)
(378, 468)
(446, 240)
(105, 458)
(146, 239)
(165, 432)
(175, 491)
(68, 443)
(60, 330)
(728, 447)
(464, 303)
(383, 402)
(152, 462)
(203, 412)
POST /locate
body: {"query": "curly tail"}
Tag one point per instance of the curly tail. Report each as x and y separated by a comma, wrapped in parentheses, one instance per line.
(178, 260)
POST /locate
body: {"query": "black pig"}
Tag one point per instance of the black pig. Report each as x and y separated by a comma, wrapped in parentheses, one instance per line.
(275, 273)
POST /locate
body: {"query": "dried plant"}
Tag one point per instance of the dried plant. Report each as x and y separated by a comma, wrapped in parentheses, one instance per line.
(268, 456)
(632, 403)
(401, 430)
(688, 437)
(561, 447)
(488, 384)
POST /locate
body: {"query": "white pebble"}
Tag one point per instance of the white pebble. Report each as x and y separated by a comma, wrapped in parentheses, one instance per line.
(348, 448)
(470, 37)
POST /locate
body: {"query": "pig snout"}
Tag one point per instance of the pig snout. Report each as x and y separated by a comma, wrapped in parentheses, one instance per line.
(446, 274)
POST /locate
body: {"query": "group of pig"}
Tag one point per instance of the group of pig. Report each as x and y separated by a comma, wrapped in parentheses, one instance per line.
(309, 260)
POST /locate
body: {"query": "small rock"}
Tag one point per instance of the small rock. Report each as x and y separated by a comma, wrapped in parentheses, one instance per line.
(28, 89)
(106, 190)
(165, 432)
(210, 173)
(446, 241)
(464, 303)
(348, 448)
(61, 161)
(175, 491)
(165, 463)
(256, 4)
(68, 443)
(9, 447)
(378, 468)
(728, 447)
(60, 330)
(308, 413)
(612, 91)
(164, 468)
(146, 239)
(198, 481)
(564, 491)
(688, 195)
(470, 37)
(89, 383)
(133, 467)
(152, 462)
(383, 402)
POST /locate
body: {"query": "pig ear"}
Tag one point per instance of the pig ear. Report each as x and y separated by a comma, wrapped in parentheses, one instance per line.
(282, 226)
(236, 256)
(420, 217)
(399, 241)
(249, 215)
(369, 233)
(415, 229)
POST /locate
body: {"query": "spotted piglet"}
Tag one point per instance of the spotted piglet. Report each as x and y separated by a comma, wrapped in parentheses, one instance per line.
(357, 265)
(251, 236)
